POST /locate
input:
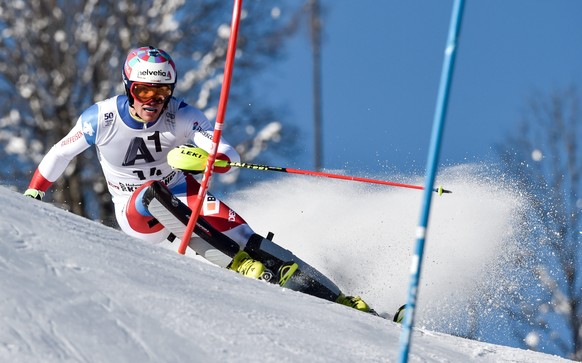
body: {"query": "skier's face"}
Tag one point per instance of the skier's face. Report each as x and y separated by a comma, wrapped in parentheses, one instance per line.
(149, 100)
(149, 111)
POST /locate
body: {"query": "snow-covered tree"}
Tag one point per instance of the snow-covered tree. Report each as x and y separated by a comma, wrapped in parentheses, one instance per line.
(57, 57)
(544, 158)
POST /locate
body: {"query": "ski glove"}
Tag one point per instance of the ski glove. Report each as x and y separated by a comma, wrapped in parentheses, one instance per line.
(34, 193)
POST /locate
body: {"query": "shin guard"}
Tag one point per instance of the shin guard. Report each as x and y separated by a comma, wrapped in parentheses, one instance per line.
(174, 215)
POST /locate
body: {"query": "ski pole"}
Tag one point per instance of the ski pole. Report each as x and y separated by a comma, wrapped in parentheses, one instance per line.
(217, 127)
(222, 163)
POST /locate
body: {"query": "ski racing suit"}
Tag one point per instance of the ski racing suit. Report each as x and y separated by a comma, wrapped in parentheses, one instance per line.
(133, 157)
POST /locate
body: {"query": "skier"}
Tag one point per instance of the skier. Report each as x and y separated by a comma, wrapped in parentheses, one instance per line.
(133, 135)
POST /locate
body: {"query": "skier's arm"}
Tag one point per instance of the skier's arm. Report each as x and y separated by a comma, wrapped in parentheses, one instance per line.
(225, 152)
(201, 135)
(57, 159)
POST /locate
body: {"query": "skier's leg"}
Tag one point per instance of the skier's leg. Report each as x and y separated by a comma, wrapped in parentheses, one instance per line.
(136, 221)
(305, 278)
(219, 235)
(168, 210)
(225, 237)
(214, 213)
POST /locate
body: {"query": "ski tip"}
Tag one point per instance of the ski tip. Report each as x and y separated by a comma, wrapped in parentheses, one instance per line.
(400, 314)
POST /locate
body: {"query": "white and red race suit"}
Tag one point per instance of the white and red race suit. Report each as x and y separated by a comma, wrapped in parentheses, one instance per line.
(133, 156)
(133, 153)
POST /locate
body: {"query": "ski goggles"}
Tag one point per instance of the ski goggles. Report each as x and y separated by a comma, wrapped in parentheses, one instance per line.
(145, 92)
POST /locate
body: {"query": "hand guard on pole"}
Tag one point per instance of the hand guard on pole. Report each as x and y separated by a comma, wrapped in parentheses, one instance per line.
(188, 157)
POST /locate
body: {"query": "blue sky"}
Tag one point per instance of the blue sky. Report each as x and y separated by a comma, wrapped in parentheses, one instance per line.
(382, 63)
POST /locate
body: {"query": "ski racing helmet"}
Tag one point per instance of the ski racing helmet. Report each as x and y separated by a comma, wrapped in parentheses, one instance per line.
(148, 65)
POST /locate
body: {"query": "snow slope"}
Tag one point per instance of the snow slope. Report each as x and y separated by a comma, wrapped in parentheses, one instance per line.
(73, 290)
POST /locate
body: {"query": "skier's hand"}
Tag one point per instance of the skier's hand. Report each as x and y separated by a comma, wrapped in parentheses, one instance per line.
(34, 193)
(188, 158)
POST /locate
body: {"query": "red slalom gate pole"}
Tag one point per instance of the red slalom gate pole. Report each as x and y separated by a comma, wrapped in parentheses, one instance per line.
(231, 50)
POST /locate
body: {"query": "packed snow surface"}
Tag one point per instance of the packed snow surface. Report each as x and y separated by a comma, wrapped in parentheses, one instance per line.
(73, 290)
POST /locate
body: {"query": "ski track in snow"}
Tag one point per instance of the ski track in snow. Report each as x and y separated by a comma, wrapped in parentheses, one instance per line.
(73, 290)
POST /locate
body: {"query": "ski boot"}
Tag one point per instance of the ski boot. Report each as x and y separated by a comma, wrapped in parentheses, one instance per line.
(355, 302)
(243, 264)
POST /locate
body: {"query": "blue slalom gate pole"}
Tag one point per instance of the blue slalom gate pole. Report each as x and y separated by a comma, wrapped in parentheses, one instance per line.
(431, 169)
